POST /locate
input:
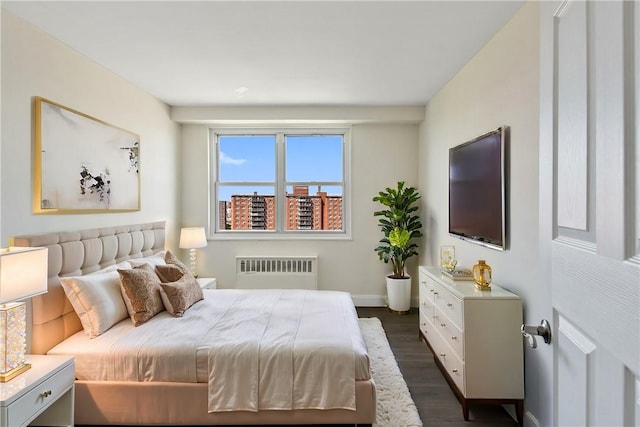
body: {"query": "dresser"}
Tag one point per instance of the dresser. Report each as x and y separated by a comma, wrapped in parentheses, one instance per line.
(475, 339)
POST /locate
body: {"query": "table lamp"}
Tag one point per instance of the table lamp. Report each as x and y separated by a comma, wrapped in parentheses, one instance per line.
(23, 274)
(193, 238)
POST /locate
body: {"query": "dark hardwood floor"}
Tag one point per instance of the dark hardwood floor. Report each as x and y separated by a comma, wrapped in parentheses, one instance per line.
(436, 402)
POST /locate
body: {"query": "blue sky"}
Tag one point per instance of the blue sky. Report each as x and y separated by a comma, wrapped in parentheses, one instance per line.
(253, 158)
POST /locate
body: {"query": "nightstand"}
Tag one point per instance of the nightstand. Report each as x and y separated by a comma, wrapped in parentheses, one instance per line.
(43, 395)
(207, 282)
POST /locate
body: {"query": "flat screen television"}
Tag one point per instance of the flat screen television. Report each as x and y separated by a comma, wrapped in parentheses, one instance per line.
(477, 189)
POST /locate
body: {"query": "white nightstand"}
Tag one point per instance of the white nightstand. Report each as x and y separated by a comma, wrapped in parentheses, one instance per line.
(43, 395)
(207, 282)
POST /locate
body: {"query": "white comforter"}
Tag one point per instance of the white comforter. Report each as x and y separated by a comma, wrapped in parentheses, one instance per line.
(258, 349)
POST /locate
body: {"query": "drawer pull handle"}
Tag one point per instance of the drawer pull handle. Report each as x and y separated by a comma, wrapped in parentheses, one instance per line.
(46, 393)
(435, 293)
(443, 324)
(449, 305)
(454, 338)
(442, 354)
(454, 371)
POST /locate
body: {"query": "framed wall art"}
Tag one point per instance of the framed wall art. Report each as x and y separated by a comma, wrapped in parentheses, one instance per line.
(82, 164)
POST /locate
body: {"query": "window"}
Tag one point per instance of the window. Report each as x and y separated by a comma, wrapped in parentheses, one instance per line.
(280, 183)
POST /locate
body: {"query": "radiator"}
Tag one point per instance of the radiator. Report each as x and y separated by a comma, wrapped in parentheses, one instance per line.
(277, 272)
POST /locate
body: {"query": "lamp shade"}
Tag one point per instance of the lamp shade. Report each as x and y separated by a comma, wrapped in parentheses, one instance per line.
(23, 273)
(192, 238)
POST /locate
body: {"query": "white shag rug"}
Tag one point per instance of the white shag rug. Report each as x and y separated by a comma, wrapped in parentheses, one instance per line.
(395, 407)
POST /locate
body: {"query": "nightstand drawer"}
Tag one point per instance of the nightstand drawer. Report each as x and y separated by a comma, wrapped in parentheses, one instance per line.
(41, 397)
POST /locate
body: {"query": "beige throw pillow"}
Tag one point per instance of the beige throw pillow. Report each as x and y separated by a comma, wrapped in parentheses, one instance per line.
(141, 293)
(170, 258)
(169, 273)
(178, 296)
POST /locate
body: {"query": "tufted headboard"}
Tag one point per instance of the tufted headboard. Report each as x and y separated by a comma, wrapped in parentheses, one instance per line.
(74, 253)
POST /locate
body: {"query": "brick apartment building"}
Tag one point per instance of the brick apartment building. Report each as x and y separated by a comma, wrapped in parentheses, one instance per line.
(303, 211)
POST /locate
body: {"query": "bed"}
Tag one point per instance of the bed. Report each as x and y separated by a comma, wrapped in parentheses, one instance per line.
(117, 384)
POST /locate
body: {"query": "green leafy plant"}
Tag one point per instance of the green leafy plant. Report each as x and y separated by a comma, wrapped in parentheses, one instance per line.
(400, 225)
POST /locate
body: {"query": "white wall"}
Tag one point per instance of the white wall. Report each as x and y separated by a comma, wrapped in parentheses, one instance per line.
(36, 64)
(381, 154)
(499, 86)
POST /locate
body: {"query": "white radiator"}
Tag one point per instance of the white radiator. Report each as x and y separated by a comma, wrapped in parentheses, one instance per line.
(277, 272)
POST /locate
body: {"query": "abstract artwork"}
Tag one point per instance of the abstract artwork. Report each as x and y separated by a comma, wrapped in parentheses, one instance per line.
(83, 164)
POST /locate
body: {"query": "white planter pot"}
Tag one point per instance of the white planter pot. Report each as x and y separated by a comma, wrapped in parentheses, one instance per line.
(399, 294)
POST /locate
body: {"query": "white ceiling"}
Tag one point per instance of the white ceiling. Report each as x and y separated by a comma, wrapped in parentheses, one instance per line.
(193, 53)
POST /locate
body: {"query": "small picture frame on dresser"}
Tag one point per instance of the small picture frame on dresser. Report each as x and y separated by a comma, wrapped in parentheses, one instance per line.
(447, 258)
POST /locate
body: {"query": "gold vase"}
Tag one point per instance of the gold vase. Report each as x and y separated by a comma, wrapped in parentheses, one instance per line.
(482, 275)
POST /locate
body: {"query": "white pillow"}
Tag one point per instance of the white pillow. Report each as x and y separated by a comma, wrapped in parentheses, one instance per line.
(122, 265)
(153, 260)
(97, 299)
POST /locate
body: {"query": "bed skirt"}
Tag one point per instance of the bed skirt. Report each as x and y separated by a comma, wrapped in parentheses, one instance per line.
(163, 403)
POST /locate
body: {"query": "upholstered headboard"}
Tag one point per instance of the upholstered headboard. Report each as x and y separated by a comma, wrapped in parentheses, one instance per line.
(74, 253)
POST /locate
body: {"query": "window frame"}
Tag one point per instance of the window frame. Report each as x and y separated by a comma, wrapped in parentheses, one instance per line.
(279, 185)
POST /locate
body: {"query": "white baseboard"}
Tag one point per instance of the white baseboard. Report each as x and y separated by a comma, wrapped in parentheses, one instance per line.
(376, 301)
(369, 300)
(530, 420)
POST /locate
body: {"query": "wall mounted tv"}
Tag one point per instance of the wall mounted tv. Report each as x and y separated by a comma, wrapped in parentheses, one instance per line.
(477, 189)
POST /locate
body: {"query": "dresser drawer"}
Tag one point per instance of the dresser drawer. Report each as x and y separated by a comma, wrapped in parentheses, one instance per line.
(455, 370)
(41, 396)
(426, 304)
(449, 304)
(427, 326)
(453, 366)
(450, 332)
(428, 285)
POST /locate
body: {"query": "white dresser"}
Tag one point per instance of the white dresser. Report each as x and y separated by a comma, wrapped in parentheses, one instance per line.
(475, 339)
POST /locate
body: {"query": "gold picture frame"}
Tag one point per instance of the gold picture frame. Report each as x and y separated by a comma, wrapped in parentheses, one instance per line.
(82, 164)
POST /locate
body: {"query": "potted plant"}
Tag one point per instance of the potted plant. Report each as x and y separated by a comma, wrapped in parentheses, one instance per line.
(400, 225)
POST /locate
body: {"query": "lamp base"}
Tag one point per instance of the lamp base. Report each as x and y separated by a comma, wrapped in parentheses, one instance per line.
(12, 340)
(192, 262)
(8, 376)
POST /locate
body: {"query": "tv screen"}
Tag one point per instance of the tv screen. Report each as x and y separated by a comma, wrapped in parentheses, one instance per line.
(477, 210)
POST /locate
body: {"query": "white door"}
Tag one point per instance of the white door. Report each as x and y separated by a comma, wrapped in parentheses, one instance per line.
(590, 207)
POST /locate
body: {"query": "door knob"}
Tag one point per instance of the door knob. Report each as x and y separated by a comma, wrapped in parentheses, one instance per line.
(543, 330)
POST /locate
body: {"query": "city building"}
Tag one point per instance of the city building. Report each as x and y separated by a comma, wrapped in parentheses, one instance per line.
(302, 211)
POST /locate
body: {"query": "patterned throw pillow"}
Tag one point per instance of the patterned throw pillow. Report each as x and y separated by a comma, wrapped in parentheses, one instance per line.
(171, 259)
(178, 296)
(141, 293)
(169, 273)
